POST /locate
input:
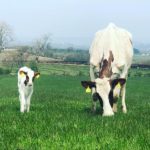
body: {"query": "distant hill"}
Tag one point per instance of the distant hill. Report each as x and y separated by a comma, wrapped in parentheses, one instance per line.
(68, 55)
(136, 51)
(14, 55)
(142, 46)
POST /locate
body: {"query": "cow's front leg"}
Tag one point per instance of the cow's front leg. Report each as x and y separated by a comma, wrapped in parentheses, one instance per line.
(94, 98)
(93, 109)
(115, 107)
(123, 92)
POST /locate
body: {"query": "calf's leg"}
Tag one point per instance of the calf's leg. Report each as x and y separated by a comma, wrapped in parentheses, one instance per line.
(22, 102)
(28, 101)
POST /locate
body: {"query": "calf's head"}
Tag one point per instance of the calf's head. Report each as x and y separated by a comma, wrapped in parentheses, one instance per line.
(28, 77)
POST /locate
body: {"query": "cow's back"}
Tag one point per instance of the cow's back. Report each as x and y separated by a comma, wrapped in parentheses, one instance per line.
(113, 39)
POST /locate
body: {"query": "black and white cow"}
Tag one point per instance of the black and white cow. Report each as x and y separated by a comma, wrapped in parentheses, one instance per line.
(110, 58)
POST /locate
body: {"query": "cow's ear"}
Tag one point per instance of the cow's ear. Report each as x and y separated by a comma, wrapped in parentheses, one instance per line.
(120, 81)
(22, 73)
(88, 85)
(37, 75)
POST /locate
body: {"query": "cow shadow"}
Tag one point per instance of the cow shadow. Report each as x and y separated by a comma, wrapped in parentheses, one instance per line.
(89, 111)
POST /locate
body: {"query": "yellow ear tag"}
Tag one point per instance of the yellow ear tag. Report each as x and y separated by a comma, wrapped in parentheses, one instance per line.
(118, 86)
(37, 76)
(22, 74)
(88, 90)
(117, 90)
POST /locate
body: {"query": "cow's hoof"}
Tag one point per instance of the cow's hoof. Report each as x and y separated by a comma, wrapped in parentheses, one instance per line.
(114, 108)
(93, 110)
(124, 111)
(108, 113)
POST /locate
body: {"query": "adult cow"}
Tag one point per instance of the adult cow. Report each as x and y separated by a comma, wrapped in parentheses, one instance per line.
(110, 58)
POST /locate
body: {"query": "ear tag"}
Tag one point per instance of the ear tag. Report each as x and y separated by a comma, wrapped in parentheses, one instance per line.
(118, 86)
(37, 76)
(117, 90)
(22, 74)
(88, 90)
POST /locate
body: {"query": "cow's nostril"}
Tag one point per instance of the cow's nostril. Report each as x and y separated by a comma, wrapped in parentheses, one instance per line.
(29, 84)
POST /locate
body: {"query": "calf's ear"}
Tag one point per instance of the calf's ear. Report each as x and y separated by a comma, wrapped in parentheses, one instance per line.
(37, 75)
(22, 73)
(120, 81)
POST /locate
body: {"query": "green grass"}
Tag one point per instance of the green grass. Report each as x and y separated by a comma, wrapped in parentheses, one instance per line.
(64, 69)
(60, 117)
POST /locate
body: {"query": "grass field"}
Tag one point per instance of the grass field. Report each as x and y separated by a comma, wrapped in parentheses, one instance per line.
(60, 116)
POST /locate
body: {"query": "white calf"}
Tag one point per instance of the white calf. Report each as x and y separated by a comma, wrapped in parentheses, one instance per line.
(26, 77)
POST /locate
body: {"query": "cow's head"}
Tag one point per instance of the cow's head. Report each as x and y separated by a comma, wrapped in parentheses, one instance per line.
(28, 77)
(105, 86)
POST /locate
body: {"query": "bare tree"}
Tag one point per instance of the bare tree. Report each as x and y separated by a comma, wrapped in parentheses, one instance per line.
(5, 35)
(41, 45)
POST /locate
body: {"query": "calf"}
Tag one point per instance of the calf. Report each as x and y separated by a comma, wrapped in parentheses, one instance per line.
(26, 77)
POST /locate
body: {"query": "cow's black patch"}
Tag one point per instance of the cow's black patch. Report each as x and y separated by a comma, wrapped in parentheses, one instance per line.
(96, 97)
(89, 84)
(111, 99)
(122, 81)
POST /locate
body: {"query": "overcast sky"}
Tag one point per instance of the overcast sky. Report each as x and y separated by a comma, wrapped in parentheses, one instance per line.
(75, 20)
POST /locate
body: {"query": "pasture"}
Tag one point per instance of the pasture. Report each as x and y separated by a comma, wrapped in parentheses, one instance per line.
(60, 116)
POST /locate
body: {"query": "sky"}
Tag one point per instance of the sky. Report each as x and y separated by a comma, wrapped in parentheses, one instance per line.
(74, 22)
